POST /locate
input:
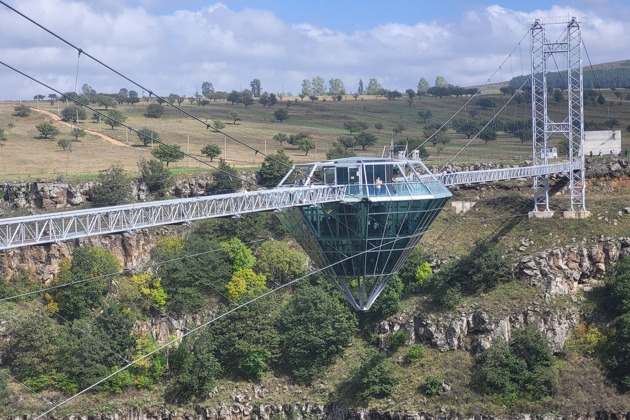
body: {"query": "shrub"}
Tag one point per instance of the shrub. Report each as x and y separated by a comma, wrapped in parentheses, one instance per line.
(155, 175)
(376, 378)
(415, 353)
(73, 113)
(521, 370)
(433, 385)
(113, 188)
(21, 111)
(398, 340)
(155, 110)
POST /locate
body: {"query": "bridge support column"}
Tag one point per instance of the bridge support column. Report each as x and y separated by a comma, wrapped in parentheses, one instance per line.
(580, 214)
(547, 214)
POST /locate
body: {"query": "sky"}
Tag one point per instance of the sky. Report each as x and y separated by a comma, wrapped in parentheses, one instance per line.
(173, 46)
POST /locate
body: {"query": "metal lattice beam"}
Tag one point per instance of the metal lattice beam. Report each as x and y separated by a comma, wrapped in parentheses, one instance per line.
(57, 227)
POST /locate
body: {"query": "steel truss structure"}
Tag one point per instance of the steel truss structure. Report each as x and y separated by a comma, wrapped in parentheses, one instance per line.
(56, 227)
(569, 47)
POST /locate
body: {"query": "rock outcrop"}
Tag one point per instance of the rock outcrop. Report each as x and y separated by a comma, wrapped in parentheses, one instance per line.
(567, 270)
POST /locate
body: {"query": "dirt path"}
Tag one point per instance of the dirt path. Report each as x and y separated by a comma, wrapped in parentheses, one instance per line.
(57, 119)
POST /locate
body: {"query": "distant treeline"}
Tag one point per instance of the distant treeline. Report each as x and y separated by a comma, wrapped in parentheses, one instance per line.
(593, 79)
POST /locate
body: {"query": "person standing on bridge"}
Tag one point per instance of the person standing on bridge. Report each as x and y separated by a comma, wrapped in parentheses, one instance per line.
(378, 183)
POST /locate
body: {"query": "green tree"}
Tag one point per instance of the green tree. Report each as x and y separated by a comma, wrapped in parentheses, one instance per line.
(78, 298)
(47, 130)
(281, 138)
(281, 114)
(239, 255)
(73, 113)
(347, 142)
(76, 133)
(234, 116)
(64, 143)
(279, 262)
(425, 115)
(154, 110)
(314, 327)
(557, 95)
(373, 87)
(211, 151)
(115, 118)
(33, 344)
(399, 128)
(306, 144)
(155, 175)
(256, 87)
(423, 86)
(21, 111)
(245, 284)
(521, 370)
(147, 136)
(339, 152)
(353, 126)
(3, 136)
(168, 153)
(365, 140)
(106, 101)
(379, 126)
(194, 368)
(488, 134)
(218, 124)
(226, 179)
(274, 168)
(376, 378)
(114, 187)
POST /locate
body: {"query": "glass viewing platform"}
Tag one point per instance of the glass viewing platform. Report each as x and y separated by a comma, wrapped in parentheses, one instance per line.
(365, 238)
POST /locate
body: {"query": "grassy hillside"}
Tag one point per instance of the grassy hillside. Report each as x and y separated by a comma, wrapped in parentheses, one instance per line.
(25, 156)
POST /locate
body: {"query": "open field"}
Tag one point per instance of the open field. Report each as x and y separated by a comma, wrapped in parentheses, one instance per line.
(25, 156)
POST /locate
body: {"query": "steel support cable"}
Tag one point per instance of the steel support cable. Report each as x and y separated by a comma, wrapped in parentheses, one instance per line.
(76, 101)
(588, 57)
(149, 91)
(203, 325)
(472, 96)
(121, 272)
(237, 307)
(208, 126)
(485, 126)
(133, 129)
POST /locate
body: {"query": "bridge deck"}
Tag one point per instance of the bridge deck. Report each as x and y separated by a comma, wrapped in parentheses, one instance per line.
(56, 227)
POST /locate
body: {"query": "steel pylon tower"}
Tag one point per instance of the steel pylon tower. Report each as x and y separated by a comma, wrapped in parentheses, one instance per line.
(569, 48)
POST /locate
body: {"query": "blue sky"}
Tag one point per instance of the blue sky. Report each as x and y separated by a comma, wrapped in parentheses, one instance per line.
(173, 46)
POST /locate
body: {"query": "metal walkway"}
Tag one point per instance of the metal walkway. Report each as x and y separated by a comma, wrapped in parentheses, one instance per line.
(490, 175)
(56, 227)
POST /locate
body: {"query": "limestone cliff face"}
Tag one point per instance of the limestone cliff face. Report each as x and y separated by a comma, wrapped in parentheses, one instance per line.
(556, 272)
(132, 249)
(565, 271)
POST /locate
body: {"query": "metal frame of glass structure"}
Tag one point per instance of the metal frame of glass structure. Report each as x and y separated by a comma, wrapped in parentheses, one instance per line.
(364, 238)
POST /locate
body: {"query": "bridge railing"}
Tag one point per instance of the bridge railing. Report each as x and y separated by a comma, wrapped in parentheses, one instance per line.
(490, 175)
(55, 227)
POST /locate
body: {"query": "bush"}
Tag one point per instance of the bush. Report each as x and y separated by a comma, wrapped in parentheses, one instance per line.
(521, 370)
(73, 113)
(113, 188)
(481, 270)
(155, 110)
(314, 328)
(21, 111)
(155, 175)
(433, 385)
(398, 340)
(376, 378)
(415, 353)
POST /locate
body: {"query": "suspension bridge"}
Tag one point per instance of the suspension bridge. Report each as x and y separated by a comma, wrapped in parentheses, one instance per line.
(360, 217)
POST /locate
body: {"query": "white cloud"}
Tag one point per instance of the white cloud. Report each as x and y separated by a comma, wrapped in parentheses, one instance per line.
(176, 52)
